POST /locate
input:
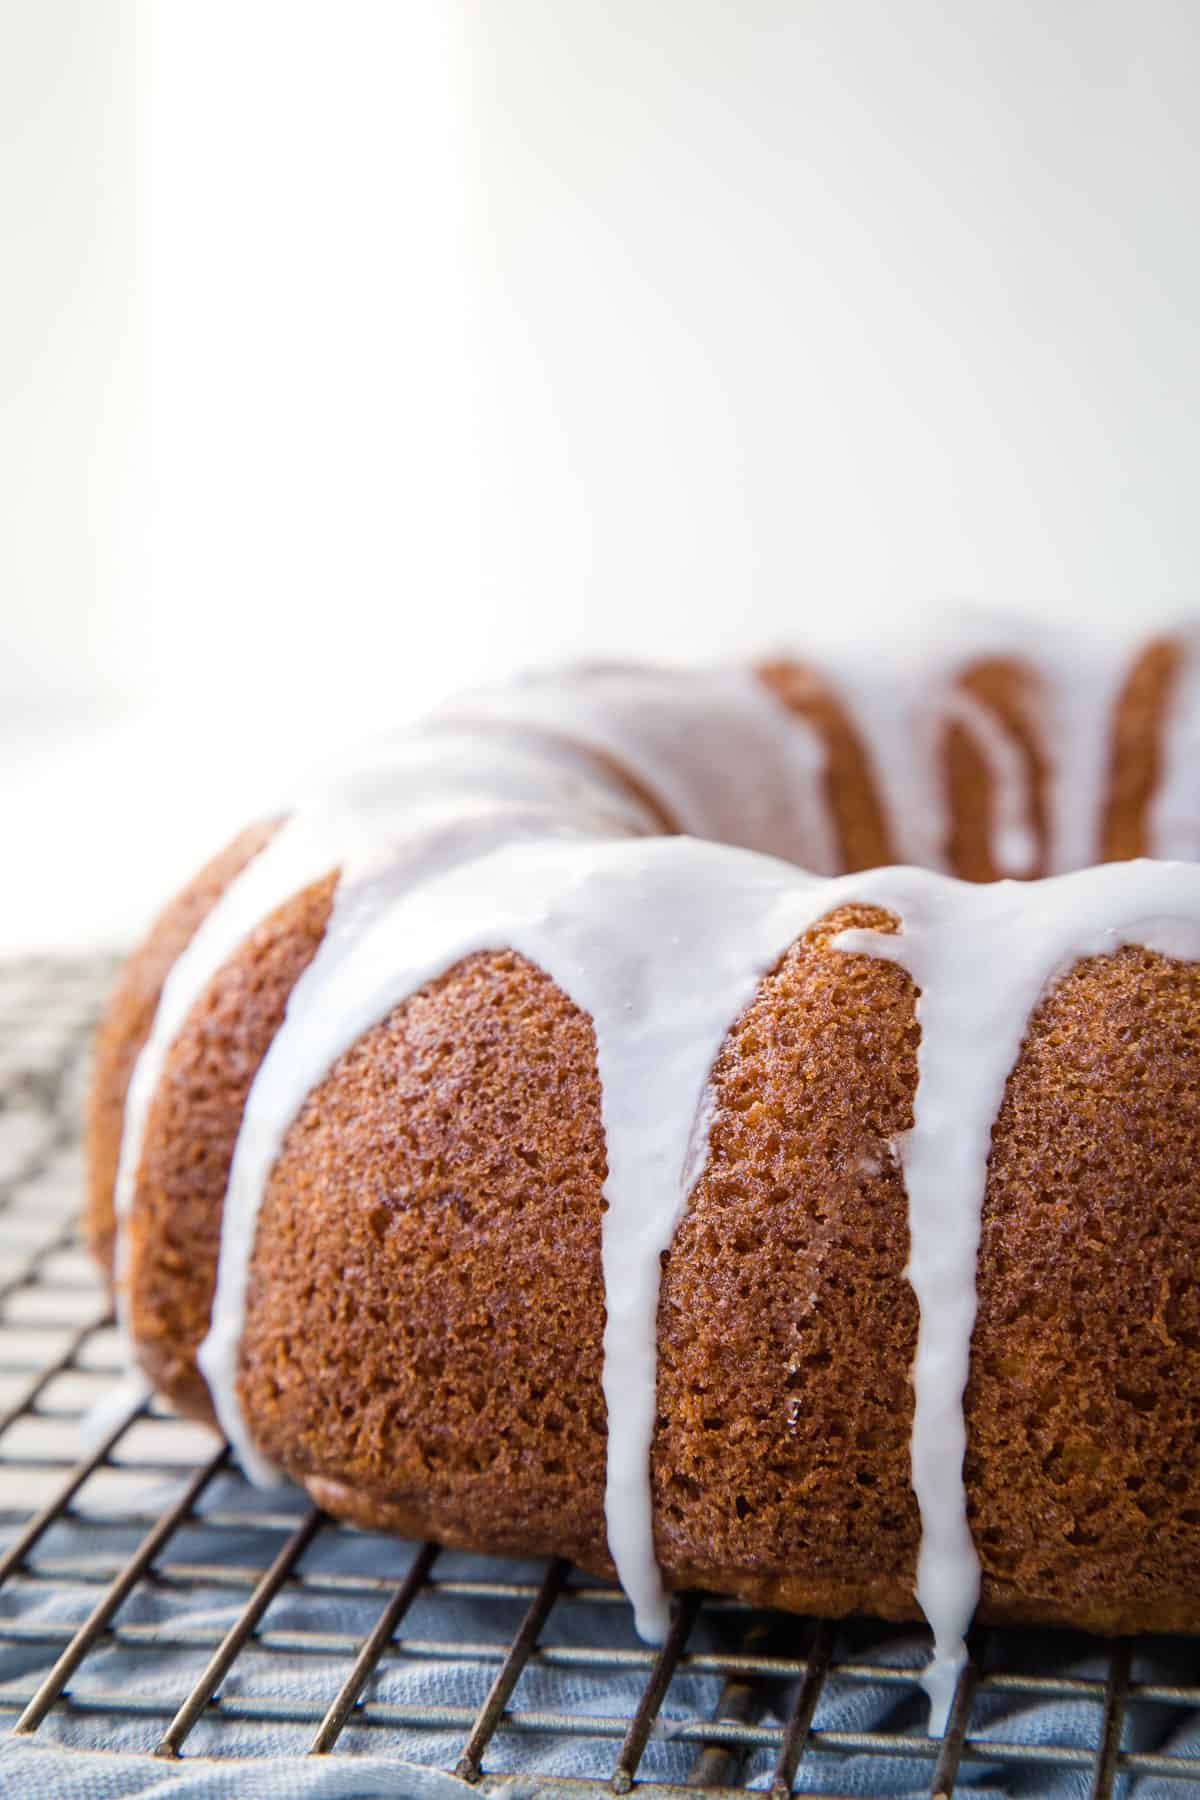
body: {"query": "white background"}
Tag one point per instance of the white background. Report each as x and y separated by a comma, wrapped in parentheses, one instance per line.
(351, 352)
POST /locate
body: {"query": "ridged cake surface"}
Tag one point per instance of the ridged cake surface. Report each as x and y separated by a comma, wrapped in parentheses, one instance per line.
(734, 1128)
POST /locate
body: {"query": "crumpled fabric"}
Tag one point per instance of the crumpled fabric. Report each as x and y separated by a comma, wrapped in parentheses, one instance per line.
(102, 1754)
(43, 1773)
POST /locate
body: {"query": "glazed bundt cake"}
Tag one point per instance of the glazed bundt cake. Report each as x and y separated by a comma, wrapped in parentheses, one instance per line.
(570, 1131)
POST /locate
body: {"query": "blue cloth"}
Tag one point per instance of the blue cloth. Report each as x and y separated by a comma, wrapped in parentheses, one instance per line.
(102, 1755)
(39, 1772)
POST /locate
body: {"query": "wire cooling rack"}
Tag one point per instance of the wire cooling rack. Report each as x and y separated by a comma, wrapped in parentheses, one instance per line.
(151, 1602)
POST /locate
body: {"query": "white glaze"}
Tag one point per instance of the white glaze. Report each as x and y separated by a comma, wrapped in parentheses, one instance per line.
(899, 703)
(663, 942)
(399, 812)
(585, 913)
(291, 860)
(723, 755)
(899, 706)
(1175, 807)
(1081, 684)
(983, 956)
(1014, 842)
(895, 708)
(451, 841)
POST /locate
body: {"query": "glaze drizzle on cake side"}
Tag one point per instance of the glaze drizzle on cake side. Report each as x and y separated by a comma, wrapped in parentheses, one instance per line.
(620, 888)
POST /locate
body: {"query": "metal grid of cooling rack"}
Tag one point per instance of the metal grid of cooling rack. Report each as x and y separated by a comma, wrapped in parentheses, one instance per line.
(151, 1601)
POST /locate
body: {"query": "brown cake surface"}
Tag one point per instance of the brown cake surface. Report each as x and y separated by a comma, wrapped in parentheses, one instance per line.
(175, 1219)
(127, 1022)
(422, 1345)
(1083, 1461)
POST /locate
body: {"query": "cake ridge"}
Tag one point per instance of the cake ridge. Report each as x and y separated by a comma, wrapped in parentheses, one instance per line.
(973, 1009)
(448, 841)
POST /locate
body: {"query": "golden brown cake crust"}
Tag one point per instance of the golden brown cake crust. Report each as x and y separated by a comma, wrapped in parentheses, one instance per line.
(423, 1336)
(1083, 1460)
(426, 1305)
(1004, 687)
(1008, 691)
(440, 1282)
(422, 1346)
(127, 1022)
(175, 1221)
(864, 837)
(786, 1328)
(1135, 761)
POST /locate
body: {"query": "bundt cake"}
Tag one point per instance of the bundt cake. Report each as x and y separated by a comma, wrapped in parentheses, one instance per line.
(569, 1131)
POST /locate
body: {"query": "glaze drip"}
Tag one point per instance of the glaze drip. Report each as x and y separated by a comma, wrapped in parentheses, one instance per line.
(400, 812)
(1174, 816)
(622, 928)
(689, 738)
(982, 958)
(542, 838)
